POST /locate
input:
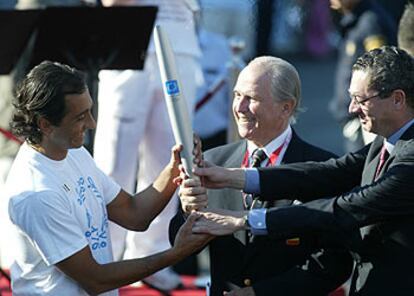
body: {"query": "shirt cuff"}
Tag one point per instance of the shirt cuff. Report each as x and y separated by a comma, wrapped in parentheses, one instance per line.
(252, 183)
(257, 221)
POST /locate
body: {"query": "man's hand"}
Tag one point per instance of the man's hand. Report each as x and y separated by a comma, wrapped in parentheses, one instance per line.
(219, 222)
(219, 177)
(248, 291)
(175, 160)
(197, 161)
(192, 195)
(197, 151)
(187, 242)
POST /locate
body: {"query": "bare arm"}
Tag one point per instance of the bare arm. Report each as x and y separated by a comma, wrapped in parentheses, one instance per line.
(136, 212)
(96, 278)
(219, 177)
(219, 222)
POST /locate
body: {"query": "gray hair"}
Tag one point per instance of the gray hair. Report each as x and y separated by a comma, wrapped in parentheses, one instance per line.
(285, 81)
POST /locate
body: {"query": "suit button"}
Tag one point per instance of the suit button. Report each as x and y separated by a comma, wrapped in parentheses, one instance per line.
(247, 282)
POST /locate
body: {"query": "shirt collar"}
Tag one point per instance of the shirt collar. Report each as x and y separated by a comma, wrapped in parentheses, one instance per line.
(272, 145)
(392, 140)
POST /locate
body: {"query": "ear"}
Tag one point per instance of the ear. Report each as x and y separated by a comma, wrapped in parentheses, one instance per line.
(399, 99)
(288, 107)
(44, 125)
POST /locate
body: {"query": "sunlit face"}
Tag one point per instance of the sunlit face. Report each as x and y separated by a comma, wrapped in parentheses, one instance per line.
(259, 117)
(375, 114)
(78, 119)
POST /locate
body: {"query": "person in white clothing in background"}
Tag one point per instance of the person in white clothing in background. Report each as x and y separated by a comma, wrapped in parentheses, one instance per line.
(133, 131)
(213, 97)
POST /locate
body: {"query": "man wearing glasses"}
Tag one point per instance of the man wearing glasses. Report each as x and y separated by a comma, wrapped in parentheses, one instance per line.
(372, 205)
(266, 100)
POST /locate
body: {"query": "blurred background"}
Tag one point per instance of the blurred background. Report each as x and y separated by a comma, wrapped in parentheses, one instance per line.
(305, 33)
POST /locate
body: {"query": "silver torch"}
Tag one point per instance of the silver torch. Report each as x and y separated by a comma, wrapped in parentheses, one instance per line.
(174, 98)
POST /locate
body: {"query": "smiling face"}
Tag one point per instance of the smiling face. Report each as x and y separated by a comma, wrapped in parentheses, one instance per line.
(376, 115)
(260, 118)
(70, 132)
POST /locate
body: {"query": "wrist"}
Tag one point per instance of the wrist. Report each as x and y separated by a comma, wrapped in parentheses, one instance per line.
(245, 222)
(242, 221)
(177, 253)
(173, 171)
(237, 179)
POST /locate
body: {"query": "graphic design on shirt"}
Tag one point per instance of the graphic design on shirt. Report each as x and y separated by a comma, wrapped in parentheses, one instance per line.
(80, 190)
(96, 235)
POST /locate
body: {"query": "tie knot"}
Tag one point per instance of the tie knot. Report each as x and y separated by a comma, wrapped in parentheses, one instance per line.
(257, 157)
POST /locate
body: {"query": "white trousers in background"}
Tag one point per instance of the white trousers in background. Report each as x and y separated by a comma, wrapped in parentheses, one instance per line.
(133, 131)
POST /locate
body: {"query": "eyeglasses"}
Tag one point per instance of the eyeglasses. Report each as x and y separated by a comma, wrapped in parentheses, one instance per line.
(361, 100)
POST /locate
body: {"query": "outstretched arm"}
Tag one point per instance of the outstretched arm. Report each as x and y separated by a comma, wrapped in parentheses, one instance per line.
(219, 177)
(220, 222)
(97, 278)
(136, 212)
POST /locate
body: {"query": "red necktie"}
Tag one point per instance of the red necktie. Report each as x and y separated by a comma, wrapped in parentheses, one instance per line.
(383, 158)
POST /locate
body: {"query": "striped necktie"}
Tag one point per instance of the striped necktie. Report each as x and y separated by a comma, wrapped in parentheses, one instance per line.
(258, 156)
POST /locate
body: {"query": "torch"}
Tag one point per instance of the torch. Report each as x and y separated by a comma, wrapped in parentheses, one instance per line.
(174, 98)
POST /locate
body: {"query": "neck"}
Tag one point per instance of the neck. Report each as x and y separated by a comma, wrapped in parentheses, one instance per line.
(269, 138)
(49, 152)
(397, 126)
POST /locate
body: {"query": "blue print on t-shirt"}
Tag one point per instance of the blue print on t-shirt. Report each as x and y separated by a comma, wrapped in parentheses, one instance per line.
(98, 238)
(95, 234)
(80, 190)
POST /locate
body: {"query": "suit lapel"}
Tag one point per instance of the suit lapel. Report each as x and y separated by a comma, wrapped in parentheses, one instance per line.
(232, 198)
(371, 163)
(407, 136)
(294, 152)
(236, 199)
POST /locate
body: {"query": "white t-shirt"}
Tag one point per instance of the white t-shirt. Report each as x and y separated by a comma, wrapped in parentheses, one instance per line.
(58, 208)
(176, 18)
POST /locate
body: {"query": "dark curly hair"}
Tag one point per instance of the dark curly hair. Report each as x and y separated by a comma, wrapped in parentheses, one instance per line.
(390, 68)
(42, 94)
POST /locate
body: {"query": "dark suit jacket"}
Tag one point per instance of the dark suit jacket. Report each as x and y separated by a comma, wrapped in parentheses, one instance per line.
(270, 265)
(374, 218)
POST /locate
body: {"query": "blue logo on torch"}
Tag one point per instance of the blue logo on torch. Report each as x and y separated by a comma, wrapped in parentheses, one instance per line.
(172, 87)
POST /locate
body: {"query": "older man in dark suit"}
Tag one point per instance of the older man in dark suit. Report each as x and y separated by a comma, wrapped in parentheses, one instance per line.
(266, 100)
(373, 204)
